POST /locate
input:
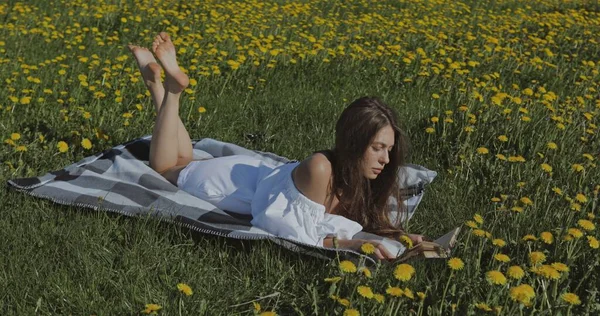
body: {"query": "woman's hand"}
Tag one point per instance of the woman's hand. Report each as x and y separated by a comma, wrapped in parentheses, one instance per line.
(355, 244)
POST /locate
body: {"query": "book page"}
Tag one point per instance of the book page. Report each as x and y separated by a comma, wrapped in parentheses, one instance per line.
(449, 239)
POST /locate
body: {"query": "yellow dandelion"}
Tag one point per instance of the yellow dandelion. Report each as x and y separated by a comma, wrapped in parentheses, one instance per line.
(498, 242)
(86, 143)
(547, 272)
(552, 145)
(15, 136)
(268, 313)
(379, 298)
(333, 279)
(523, 293)
(559, 266)
(434, 119)
(593, 242)
(484, 307)
(429, 130)
(152, 309)
(394, 291)
(404, 272)
(525, 200)
(478, 219)
(343, 301)
(62, 146)
(406, 241)
(546, 167)
(367, 248)
(581, 198)
(201, 109)
(456, 263)
(557, 190)
(503, 138)
(21, 148)
(529, 237)
(351, 312)
(479, 232)
(515, 272)
(421, 296)
(482, 151)
(517, 209)
(571, 298)
(575, 232)
(365, 271)
(185, 289)
(547, 237)
(502, 257)
(347, 266)
(495, 277)
(409, 293)
(585, 224)
(471, 224)
(537, 257)
(577, 167)
(364, 291)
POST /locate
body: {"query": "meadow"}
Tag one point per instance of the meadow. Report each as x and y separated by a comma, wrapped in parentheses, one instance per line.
(499, 97)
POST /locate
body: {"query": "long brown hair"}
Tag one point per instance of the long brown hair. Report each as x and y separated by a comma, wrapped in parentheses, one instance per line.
(363, 200)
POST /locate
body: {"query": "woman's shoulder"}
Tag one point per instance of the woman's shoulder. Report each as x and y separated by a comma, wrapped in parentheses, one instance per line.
(312, 176)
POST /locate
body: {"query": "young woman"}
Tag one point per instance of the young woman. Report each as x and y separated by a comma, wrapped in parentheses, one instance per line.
(336, 192)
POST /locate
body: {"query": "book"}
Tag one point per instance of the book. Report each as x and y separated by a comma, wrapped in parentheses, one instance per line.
(439, 248)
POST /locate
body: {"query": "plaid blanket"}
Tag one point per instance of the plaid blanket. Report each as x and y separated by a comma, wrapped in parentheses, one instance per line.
(120, 180)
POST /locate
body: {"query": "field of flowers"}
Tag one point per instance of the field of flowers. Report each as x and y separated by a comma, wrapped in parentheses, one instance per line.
(500, 97)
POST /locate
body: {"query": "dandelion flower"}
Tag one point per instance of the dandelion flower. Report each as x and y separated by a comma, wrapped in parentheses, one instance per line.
(522, 293)
(577, 167)
(482, 151)
(86, 143)
(151, 309)
(502, 257)
(498, 242)
(21, 148)
(404, 272)
(347, 266)
(585, 224)
(495, 277)
(333, 279)
(575, 232)
(529, 237)
(15, 136)
(552, 145)
(593, 242)
(364, 291)
(365, 271)
(547, 237)
(571, 298)
(478, 219)
(503, 138)
(343, 301)
(525, 200)
(185, 289)
(379, 298)
(537, 257)
(484, 307)
(351, 312)
(394, 291)
(479, 232)
(421, 295)
(406, 241)
(201, 109)
(471, 224)
(367, 248)
(62, 146)
(559, 266)
(456, 263)
(581, 198)
(547, 272)
(546, 167)
(515, 272)
(409, 293)
(429, 130)
(268, 313)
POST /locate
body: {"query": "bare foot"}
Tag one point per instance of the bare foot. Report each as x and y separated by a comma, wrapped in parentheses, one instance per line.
(176, 80)
(149, 68)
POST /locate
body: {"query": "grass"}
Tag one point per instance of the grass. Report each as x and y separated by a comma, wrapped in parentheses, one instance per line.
(69, 260)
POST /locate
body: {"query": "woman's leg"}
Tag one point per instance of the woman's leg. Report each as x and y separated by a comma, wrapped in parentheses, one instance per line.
(150, 71)
(166, 141)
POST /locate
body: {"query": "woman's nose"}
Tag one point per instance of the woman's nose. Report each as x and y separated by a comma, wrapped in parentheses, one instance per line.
(385, 158)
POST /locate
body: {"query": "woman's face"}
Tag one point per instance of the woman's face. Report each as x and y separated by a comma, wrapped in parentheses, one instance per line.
(377, 154)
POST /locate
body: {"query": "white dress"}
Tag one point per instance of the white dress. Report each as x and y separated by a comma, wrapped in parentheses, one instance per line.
(248, 185)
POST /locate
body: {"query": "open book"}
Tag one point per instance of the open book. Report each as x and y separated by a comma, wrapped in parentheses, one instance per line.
(439, 248)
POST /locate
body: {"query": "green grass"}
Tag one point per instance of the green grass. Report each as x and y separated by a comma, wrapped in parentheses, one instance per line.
(68, 260)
